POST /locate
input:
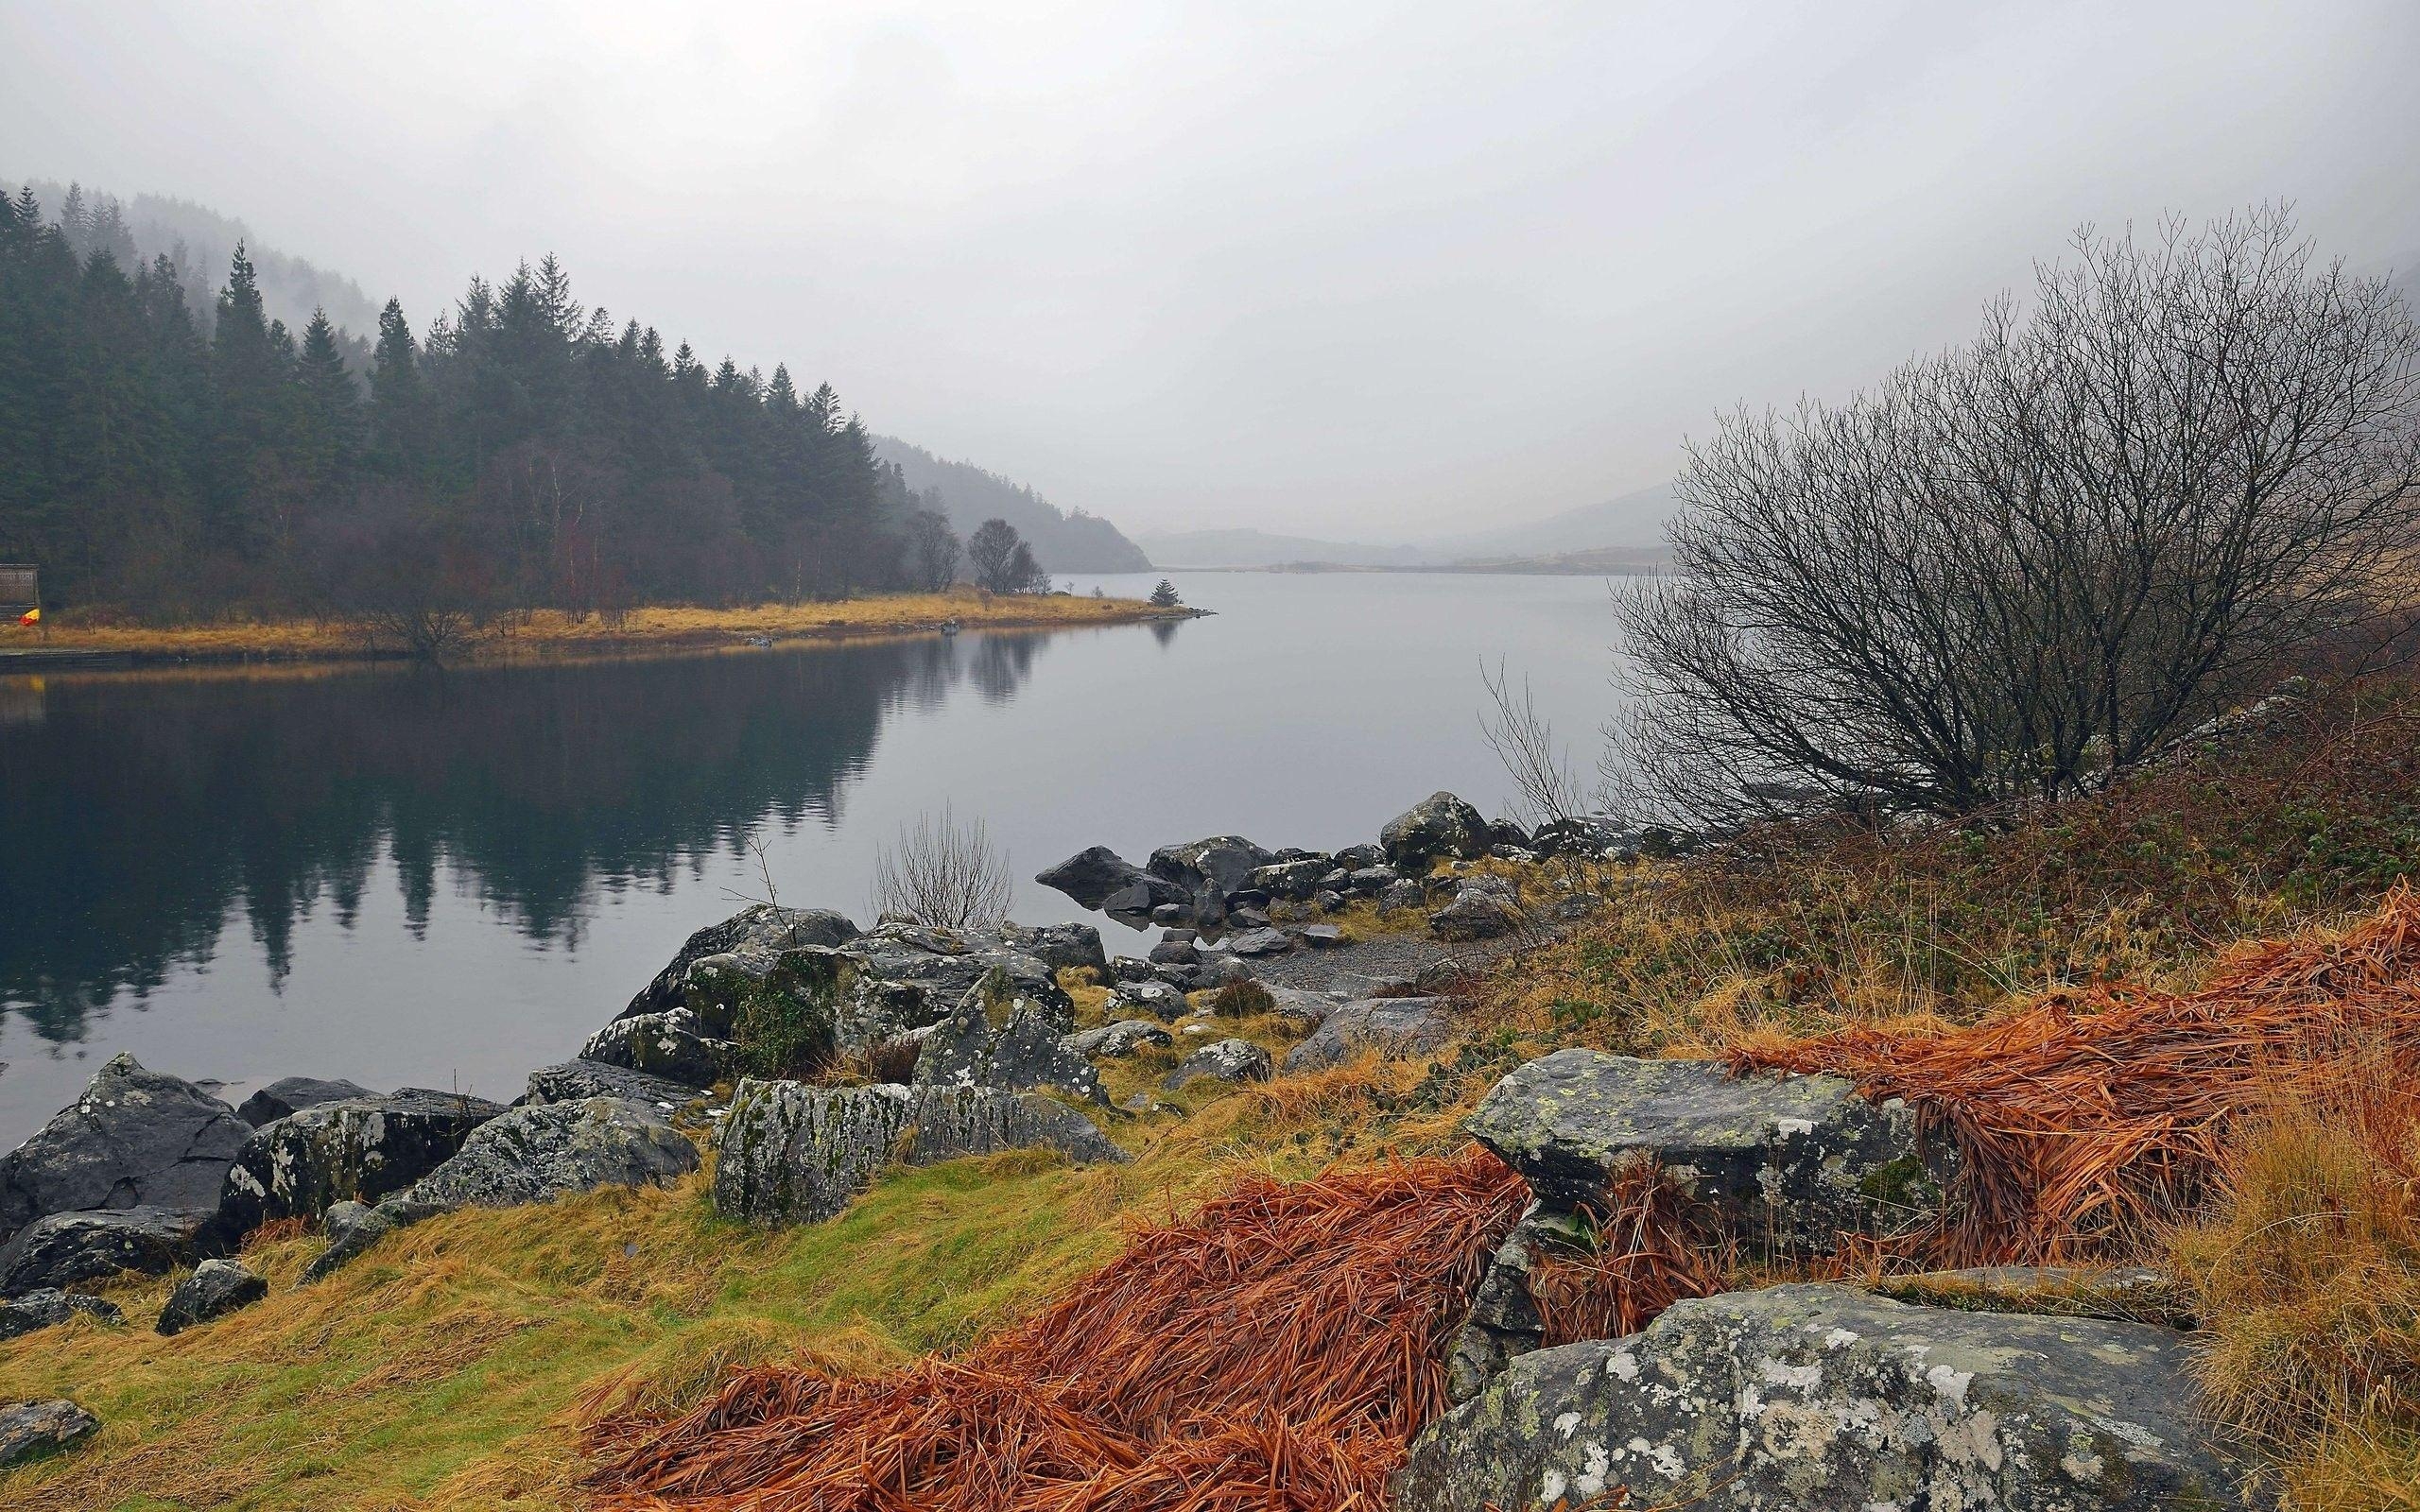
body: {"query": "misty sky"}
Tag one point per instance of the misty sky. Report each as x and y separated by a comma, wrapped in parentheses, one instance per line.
(1340, 269)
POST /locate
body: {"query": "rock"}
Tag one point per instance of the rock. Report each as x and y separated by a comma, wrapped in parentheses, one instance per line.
(1095, 876)
(573, 1080)
(1306, 1009)
(1504, 1322)
(1787, 1163)
(753, 939)
(1504, 835)
(1229, 1060)
(1295, 879)
(1590, 837)
(291, 1094)
(1161, 1000)
(1257, 942)
(1129, 969)
(1220, 970)
(62, 1249)
(46, 1307)
(1402, 894)
(2134, 1294)
(1355, 857)
(1176, 952)
(135, 1139)
(1324, 937)
(1059, 946)
(1394, 1027)
(1371, 879)
(360, 1149)
(1116, 1040)
(1825, 1398)
(1209, 871)
(1348, 986)
(1022, 1052)
(216, 1288)
(1440, 826)
(31, 1429)
(798, 1154)
(909, 976)
(544, 1151)
(1576, 906)
(1327, 899)
(349, 1227)
(1162, 913)
(1244, 916)
(1437, 975)
(673, 1046)
(1483, 908)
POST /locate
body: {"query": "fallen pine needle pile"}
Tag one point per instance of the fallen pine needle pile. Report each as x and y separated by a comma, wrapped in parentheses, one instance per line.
(1277, 1350)
(2093, 1118)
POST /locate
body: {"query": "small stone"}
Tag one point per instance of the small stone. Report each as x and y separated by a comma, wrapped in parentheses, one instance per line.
(1324, 937)
(1126, 1037)
(1257, 942)
(216, 1288)
(48, 1307)
(1395, 1027)
(29, 1429)
(1229, 1060)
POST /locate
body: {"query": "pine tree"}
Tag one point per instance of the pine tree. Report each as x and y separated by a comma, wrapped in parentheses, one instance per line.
(331, 402)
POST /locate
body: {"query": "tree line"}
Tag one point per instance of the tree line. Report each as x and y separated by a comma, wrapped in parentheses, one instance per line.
(517, 451)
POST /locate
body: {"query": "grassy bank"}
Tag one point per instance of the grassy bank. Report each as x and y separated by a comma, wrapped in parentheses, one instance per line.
(455, 1366)
(546, 632)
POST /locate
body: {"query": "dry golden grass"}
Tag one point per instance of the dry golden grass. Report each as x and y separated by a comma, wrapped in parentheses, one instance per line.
(554, 632)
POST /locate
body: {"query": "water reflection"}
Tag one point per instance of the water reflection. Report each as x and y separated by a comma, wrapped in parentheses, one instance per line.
(137, 814)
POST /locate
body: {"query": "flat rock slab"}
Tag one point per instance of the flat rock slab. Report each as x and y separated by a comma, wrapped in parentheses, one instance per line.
(576, 1080)
(1232, 1061)
(1394, 1027)
(1826, 1399)
(797, 1153)
(216, 1288)
(1789, 1163)
(31, 1429)
(48, 1307)
(1116, 1040)
(135, 1139)
(66, 1248)
(360, 1149)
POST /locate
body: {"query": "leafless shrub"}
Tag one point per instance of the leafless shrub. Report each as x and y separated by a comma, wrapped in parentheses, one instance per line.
(1523, 739)
(944, 874)
(2020, 565)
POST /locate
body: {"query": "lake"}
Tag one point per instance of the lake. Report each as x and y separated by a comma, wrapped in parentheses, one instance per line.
(445, 880)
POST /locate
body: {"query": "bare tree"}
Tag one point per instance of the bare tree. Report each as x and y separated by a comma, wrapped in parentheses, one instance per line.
(992, 553)
(945, 873)
(933, 550)
(1524, 740)
(2020, 565)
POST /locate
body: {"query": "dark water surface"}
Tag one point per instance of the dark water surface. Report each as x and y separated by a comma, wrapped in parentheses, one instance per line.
(445, 881)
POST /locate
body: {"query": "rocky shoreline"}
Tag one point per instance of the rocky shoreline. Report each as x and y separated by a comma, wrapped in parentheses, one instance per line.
(807, 1056)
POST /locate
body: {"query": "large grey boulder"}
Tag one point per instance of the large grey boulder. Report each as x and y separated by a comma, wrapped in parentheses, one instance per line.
(1232, 1061)
(361, 1149)
(746, 946)
(64, 1249)
(539, 1153)
(673, 1045)
(1210, 869)
(1589, 836)
(1262, 941)
(1483, 907)
(1295, 880)
(1097, 875)
(792, 1153)
(349, 1228)
(1395, 1027)
(1117, 1039)
(31, 1429)
(135, 1139)
(1059, 946)
(48, 1307)
(1021, 1051)
(574, 1081)
(909, 976)
(1788, 1164)
(291, 1094)
(1825, 1398)
(216, 1288)
(1161, 1000)
(1440, 826)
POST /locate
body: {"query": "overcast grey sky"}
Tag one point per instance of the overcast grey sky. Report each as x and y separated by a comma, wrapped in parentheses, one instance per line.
(1339, 268)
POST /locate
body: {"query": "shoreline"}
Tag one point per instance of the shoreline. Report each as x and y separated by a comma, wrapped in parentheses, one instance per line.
(546, 633)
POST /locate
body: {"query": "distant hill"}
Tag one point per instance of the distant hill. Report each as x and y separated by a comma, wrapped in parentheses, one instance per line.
(201, 241)
(1063, 541)
(1258, 548)
(1629, 520)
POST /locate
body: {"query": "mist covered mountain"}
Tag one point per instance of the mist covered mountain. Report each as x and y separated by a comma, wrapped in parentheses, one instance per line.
(1063, 541)
(1620, 534)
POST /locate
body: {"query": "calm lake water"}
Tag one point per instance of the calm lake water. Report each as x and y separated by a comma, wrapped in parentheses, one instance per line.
(446, 880)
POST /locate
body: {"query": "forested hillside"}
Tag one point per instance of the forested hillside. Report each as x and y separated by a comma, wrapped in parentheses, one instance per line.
(515, 450)
(1069, 541)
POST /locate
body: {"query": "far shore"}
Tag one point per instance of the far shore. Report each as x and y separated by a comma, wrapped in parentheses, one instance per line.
(72, 640)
